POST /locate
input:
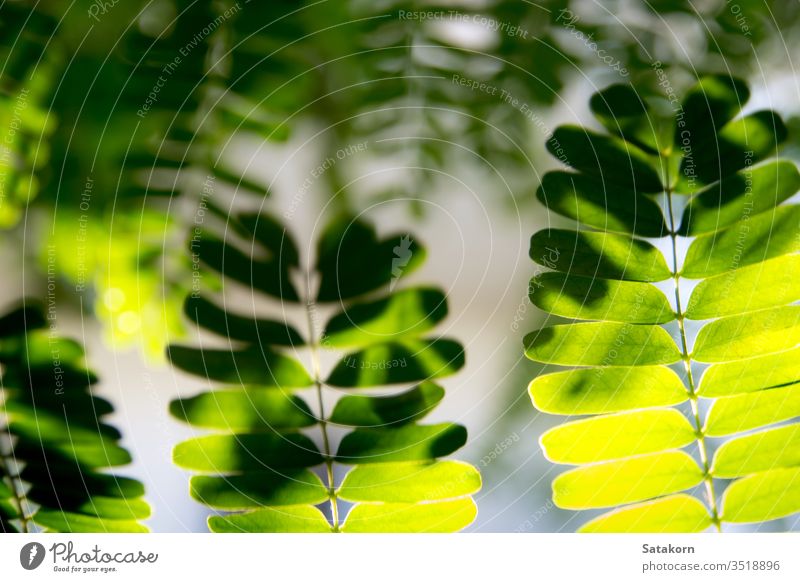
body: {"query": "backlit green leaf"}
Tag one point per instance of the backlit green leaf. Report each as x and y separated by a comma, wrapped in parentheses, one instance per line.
(410, 312)
(768, 284)
(293, 519)
(611, 159)
(626, 481)
(405, 443)
(603, 390)
(254, 366)
(769, 449)
(616, 436)
(410, 482)
(64, 522)
(744, 336)
(247, 452)
(748, 242)
(441, 517)
(398, 362)
(751, 375)
(746, 193)
(241, 328)
(258, 489)
(763, 496)
(374, 411)
(599, 299)
(607, 206)
(673, 514)
(597, 254)
(249, 409)
(747, 411)
(602, 344)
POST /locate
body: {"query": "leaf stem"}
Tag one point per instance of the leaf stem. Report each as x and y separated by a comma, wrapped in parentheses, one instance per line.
(323, 421)
(687, 365)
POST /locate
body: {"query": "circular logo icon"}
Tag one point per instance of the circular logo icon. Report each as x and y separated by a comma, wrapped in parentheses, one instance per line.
(31, 555)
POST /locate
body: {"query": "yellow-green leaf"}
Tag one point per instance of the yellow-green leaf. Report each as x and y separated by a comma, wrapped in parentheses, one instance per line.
(769, 449)
(768, 284)
(747, 411)
(405, 313)
(748, 242)
(410, 482)
(762, 497)
(753, 334)
(441, 517)
(673, 514)
(616, 436)
(626, 481)
(599, 299)
(599, 254)
(292, 519)
(602, 390)
(602, 344)
(751, 375)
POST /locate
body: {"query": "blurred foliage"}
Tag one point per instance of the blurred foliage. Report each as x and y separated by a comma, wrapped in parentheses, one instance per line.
(55, 448)
(154, 97)
(260, 463)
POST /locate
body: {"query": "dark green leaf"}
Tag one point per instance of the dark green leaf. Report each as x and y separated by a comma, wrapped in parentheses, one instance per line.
(597, 254)
(373, 411)
(406, 443)
(398, 362)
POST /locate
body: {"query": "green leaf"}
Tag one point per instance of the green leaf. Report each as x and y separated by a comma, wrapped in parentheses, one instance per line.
(112, 508)
(616, 436)
(747, 411)
(769, 449)
(744, 336)
(746, 193)
(768, 284)
(673, 514)
(270, 275)
(251, 409)
(64, 522)
(406, 443)
(611, 159)
(602, 344)
(751, 375)
(748, 242)
(373, 411)
(623, 111)
(410, 312)
(606, 206)
(597, 254)
(763, 496)
(743, 141)
(442, 517)
(256, 366)
(352, 261)
(240, 328)
(270, 233)
(626, 481)
(259, 489)
(410, 482)
(247, 452)
(711, 103)
(292, 519)
(599, 299)
(603, 390)
(398, 362)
